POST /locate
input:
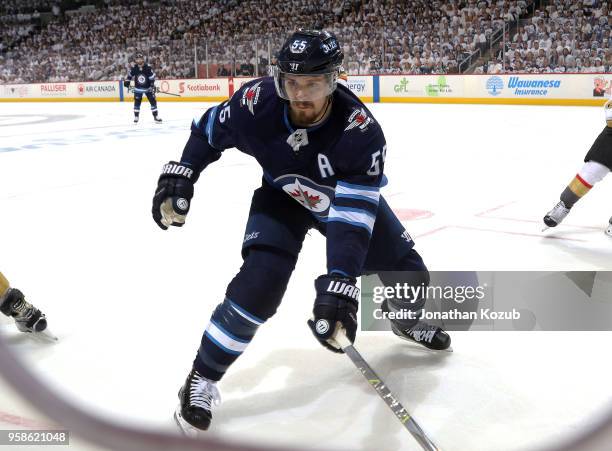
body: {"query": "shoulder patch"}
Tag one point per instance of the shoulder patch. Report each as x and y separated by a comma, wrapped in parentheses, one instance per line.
(250, 97)
(359, 118)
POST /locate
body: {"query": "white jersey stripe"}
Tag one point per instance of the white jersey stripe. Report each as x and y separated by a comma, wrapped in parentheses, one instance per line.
(350, 191)
(246, 316)
(353, 216)
(224, 339)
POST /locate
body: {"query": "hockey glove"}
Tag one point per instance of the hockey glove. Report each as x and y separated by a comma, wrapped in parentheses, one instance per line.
(173, 195)
(126, 84)
(335, 307)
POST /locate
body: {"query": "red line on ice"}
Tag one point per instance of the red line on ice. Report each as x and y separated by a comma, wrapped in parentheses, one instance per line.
(431, 232)
(530, 221)
(16, 420)
(495, 208)
(537, 235)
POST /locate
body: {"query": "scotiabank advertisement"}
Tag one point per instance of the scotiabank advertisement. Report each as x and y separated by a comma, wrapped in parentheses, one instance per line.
(202, 87)
(210, 89)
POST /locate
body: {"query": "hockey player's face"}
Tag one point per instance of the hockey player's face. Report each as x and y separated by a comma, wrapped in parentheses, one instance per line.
(140, 61)
(306, 88)
(308, 94)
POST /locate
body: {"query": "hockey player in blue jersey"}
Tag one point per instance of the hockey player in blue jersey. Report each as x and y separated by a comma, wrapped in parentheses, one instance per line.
(322, 154)
(144, 83)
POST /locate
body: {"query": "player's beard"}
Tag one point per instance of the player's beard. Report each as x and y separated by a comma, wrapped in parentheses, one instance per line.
(306, 113)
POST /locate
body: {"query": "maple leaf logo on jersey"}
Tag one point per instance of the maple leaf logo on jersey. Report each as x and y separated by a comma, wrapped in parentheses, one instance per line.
(305, 198)
(359, 118)
(309, 197)
(250, 97)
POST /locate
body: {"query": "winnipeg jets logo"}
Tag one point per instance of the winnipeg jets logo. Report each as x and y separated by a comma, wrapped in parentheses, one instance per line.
(298, 139)
(141, 79)
(359, 118)
(250, 97)
(310, 198)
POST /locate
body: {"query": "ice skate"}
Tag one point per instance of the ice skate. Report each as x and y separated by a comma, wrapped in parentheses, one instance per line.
(194, 411)
(136, 119)
(609, 229)
(555, 216)
(426, 335)
(157, 119)
(27, 318)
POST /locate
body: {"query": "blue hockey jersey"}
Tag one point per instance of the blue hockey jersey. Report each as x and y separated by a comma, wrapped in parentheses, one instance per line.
(333, 169)
(144, 77)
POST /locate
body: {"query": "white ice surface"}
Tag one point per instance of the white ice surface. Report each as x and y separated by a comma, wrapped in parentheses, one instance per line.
(129, 302)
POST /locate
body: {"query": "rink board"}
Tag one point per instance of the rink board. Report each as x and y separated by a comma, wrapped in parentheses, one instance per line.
(513, 89)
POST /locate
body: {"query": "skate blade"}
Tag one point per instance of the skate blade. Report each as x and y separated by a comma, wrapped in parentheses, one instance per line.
(185, 428)
(45, 336)
(545, 228)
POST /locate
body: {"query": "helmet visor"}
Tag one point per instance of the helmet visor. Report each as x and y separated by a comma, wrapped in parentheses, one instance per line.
(303, 87)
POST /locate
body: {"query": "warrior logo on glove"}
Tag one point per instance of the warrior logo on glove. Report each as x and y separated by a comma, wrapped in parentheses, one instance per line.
(177, 169)
(173, 194)
(346, 289)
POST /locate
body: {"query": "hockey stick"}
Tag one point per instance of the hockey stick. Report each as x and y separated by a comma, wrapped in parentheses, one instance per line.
(381, 388)
(170, 94)
(130, 89)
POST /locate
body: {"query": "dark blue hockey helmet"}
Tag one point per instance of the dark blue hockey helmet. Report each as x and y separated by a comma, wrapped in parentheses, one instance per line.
(308, 53)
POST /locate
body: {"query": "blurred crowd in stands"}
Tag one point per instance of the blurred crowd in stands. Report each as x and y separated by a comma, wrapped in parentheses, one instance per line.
(71, 40)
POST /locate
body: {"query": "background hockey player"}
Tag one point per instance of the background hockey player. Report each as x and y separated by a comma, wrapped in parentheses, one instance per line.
(598, 163)
(144, 83)
(322, 154)
(13, 304)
